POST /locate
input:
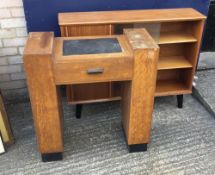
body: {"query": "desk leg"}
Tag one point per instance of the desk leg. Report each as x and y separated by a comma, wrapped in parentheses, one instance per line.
(78, 110)
(46, 106)
(180, 101)
(138, 100)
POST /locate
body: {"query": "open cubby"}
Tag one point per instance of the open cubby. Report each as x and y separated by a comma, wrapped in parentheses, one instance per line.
(174, 56)
(78, 94)
(173, 82)
(166, 32)
(177, 32)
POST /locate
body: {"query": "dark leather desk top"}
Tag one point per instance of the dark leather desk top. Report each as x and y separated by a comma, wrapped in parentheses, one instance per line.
(91, 46)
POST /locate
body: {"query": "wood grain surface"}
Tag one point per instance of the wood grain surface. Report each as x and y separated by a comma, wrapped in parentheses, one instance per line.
(179, 38)
(44, 94)
(129, 16)
(138, 95)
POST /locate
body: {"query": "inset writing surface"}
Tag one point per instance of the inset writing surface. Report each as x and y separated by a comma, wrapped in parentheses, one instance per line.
(91, 46)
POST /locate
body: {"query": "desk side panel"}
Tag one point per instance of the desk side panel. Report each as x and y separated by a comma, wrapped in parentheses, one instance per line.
(138, 95)
(44, 94)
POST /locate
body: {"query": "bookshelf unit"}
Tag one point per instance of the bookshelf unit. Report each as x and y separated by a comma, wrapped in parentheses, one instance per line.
(179, 33)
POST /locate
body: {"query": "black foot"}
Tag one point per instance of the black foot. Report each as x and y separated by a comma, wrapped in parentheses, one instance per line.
(78, 111)
(49, 157)
(180, 101)
(137, 148)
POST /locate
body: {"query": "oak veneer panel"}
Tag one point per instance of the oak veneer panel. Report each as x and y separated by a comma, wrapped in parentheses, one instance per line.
(192, 50)
(173, 62)
(174, 26)
(94, 93)
(169, 74)
(177, 32)
(44, 94)
(138, 95)
(129, 16)
(171, 87)
(176, 37)
(86, 30)
(170, 50)
(173, 82)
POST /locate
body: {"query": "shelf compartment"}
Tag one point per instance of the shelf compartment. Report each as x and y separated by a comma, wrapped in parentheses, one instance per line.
(171, 87)
(93, 92)
(177, 32)
(176, 37)
(163, 33)
(173, 82)
(173, 62)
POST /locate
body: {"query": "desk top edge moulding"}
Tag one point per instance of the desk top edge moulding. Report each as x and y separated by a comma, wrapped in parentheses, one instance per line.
(45, 74)
(129, 16)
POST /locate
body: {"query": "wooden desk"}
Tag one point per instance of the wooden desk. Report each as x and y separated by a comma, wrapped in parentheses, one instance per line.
(178, 32)
(48, 65)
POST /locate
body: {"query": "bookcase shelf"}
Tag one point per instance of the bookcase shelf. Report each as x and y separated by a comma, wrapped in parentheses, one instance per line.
(173, 62)
(176, 37)
(171, 87)
(173, 82)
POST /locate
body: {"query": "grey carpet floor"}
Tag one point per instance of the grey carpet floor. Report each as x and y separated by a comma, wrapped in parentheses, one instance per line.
(182, 142)
(206, 88)
(206, 60)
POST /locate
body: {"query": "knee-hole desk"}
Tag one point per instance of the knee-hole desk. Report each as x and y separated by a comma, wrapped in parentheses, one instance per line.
(50, 62)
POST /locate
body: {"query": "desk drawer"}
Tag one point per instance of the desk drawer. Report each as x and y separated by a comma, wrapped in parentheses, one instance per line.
(91, 70)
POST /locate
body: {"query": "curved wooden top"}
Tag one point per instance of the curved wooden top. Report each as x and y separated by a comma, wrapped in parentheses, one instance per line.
(129, 16)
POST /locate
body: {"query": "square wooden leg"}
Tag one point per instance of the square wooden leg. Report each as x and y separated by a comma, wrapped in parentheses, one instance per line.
(138, 99)
(44, 94)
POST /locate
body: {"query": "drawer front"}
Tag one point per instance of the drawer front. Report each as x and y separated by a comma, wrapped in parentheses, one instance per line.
(94, 70)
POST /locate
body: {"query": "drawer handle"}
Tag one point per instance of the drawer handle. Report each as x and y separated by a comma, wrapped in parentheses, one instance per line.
(95, 71)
